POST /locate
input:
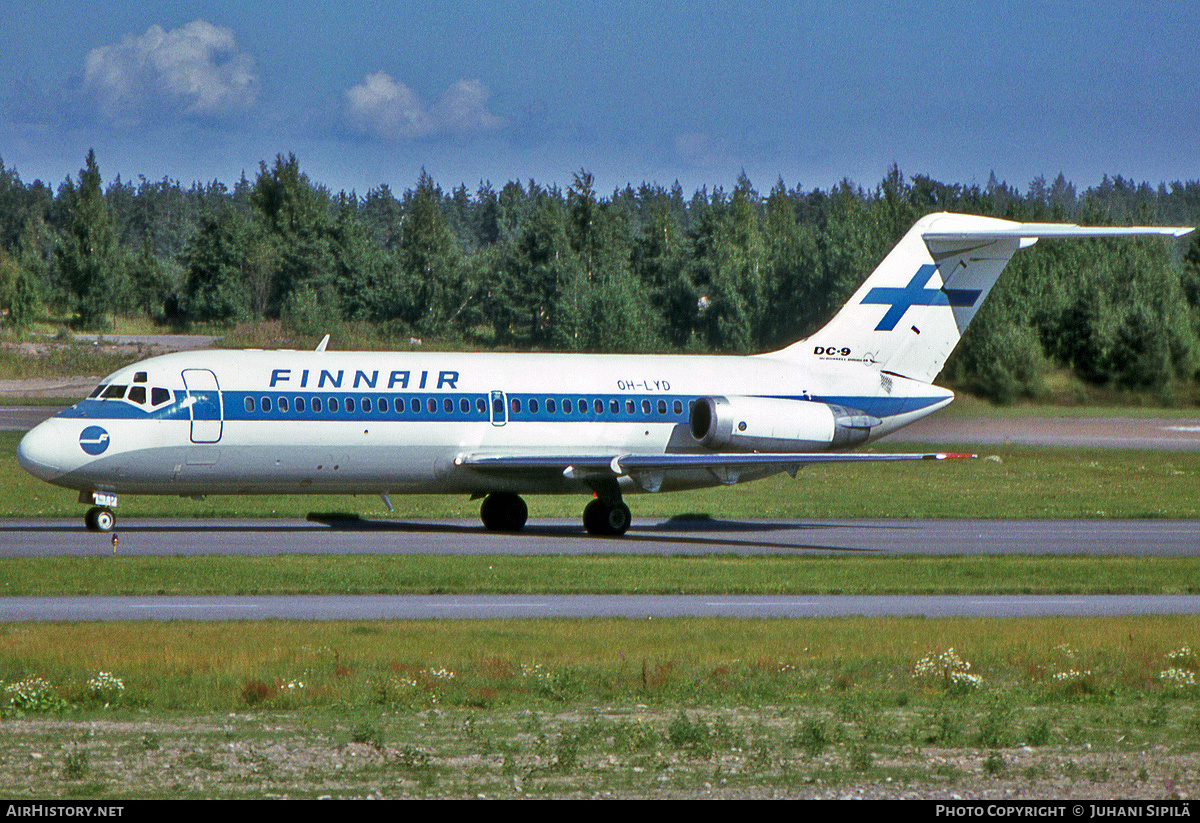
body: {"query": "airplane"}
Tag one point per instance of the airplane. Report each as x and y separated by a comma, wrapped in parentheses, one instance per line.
(498, 426)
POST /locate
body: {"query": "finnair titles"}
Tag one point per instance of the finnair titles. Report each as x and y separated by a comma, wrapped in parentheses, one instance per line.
(501, 426)
(397, 379)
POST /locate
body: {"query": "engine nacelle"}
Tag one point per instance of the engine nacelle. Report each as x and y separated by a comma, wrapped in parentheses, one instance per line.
(765, 424)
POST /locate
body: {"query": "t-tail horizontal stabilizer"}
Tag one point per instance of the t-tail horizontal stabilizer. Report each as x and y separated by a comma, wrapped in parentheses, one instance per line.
(908, 316)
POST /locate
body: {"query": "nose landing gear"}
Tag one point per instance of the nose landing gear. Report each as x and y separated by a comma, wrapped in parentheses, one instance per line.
(100, 519)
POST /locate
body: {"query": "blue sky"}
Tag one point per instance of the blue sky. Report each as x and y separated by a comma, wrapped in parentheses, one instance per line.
(371, 92)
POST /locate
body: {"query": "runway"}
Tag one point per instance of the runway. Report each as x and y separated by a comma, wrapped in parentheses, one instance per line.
(66, 538)
(1171, 434)
(349, 536)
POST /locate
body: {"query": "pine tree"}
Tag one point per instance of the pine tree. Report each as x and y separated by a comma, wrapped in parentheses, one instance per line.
(88, 254)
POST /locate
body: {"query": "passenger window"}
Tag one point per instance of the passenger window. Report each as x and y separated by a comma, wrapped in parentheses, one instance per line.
(533, 405)
(333, 405)
(383, 405)
(464, 406)
(629, 407)
(645, 407)
(138, 395)
(431, 404)
(282, 402)
(266, 404)
(316, 404)
(366, 404)
(662, 406)
(582, 406)
(551, 405)
(158, 396)
(566, 406)
(415, 405)
(678, 407)
(349, 404)
(516, 406)
(300, 405)
(250, 405)
(480, 405)
(614, 407)
(598, 406)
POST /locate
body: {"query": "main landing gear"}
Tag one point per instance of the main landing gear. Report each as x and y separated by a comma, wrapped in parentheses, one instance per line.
(507, 512)
(603, 518)
(503, 512)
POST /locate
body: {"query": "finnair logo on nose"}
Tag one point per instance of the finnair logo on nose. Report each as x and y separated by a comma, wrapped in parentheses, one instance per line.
(93, 440)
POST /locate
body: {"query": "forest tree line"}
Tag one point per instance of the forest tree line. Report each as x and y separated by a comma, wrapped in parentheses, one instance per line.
(642, 269)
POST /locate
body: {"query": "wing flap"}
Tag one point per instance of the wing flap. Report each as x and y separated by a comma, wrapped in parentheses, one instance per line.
(648, 469)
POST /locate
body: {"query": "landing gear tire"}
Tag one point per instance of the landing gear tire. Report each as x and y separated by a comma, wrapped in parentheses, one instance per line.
(503, 512)
(100, 519)
(609, 520)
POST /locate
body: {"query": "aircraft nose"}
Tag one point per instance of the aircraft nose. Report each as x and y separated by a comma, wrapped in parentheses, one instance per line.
(39, 452)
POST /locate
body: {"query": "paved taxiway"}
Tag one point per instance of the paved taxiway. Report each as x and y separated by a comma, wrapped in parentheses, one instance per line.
(1148, 538)
(330, 535)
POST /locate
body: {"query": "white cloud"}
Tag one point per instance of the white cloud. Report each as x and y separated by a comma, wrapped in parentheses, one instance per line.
(464, 108)
(195, 69)
(387, 109)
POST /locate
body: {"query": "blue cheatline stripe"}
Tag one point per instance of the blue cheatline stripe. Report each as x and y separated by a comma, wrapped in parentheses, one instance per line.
(520, 407)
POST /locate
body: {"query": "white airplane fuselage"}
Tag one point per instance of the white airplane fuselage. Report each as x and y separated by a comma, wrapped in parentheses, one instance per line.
(292, 422)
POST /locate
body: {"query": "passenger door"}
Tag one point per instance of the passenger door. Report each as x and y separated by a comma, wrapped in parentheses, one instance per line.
(204, 404)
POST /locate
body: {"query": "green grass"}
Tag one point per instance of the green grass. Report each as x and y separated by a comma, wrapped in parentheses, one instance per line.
(206, 665)
(593, 574)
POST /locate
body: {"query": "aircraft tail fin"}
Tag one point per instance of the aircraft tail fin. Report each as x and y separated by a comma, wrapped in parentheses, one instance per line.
(908, 316)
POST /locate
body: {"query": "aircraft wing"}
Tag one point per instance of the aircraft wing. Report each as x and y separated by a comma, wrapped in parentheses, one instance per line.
(647, 469)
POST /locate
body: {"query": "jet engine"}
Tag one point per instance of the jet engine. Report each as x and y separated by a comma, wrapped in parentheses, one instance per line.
(766, 424)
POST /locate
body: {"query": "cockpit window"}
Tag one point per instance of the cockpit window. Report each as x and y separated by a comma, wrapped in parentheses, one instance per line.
(96, 392)
(158, 396)
(113, 391)
(137, 394)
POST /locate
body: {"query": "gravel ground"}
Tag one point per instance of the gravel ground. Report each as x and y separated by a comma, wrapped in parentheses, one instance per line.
(282, 756)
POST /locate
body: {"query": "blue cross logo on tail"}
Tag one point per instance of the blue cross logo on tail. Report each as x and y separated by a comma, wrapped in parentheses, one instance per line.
(915, 294)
